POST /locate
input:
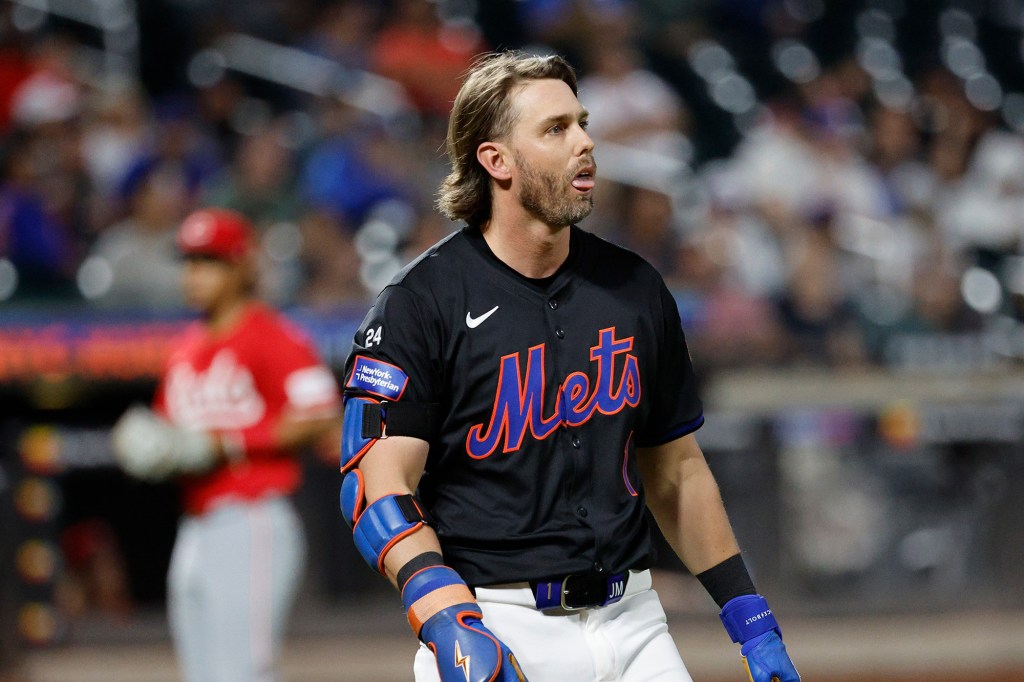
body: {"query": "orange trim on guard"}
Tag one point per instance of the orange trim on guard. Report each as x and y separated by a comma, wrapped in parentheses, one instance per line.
(358, 457)
(394, 541)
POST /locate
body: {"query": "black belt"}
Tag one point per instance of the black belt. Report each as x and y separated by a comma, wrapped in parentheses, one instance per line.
(579, 591)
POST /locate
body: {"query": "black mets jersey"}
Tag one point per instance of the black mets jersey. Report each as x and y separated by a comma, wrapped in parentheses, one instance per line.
(544, 389)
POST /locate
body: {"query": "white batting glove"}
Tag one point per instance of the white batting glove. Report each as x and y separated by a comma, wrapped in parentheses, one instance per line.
(151, 448)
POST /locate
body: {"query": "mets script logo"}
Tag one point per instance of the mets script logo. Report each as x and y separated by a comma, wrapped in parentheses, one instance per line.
(519, 400)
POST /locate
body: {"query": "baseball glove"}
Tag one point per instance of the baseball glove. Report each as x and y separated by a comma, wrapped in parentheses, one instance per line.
(149, 447)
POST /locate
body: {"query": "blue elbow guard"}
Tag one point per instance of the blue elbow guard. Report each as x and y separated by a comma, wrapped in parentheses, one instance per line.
(383, 524)
(353, 498)
(377, 527)
(354, 444)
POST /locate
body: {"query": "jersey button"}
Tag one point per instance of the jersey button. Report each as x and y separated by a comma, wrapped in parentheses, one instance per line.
(560, 333)
(581, 511)
(598, 567)
(553, 304)
(575, 440)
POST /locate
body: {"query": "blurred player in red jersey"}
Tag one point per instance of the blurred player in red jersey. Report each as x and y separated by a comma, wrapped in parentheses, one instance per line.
(242, 391)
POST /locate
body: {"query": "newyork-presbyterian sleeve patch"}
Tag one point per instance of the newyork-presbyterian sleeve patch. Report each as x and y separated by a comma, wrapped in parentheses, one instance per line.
(378, 378)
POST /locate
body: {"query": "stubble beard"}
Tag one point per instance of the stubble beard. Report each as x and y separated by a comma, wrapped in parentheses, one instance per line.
(543, 195)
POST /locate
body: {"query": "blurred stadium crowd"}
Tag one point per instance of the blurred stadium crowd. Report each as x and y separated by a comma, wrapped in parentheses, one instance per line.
(836, 184)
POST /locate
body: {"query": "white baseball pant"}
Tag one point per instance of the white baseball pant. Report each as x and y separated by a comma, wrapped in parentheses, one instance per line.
(627, 641)
(232, 580)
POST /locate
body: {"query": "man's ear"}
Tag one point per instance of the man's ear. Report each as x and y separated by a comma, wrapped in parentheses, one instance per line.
(493, 157)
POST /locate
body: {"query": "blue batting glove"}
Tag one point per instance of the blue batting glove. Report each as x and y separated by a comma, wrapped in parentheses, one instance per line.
(466, 650)
(750, 622)
(766, 659)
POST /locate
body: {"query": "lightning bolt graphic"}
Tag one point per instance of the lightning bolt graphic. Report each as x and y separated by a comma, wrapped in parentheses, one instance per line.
(461, 661)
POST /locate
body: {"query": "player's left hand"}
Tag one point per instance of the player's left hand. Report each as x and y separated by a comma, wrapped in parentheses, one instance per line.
(750, 622)
(766, 659)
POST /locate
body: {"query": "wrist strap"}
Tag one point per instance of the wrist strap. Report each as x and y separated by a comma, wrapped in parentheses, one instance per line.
(431, 590)
(747, 617)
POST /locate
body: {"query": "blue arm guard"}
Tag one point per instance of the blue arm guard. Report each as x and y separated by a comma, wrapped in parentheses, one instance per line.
(354, 444)
(464, 648)
(384, 523)
(378, 527)
(353, 497)
(367, 419)
(750, 622)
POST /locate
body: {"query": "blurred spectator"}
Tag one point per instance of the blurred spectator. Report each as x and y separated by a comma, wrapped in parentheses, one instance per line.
(34, 239)
(936, 309)
(568, 26)
(331, 263)
(895, 150)
(14, 69)
(46, 186)
(134, 264)
(801, 160)
(117, 129)
(726, 324)
(260, 180)
(984, 210)
(179, 138)
(344, 33)
(50, 92)
(218, 105)
(260, 184)
(647, 226)
(629, 104)
(816, 310)
(749, 252)
(342, 172)
(424, 55)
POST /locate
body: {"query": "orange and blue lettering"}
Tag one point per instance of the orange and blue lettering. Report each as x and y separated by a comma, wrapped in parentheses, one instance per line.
(519, 400)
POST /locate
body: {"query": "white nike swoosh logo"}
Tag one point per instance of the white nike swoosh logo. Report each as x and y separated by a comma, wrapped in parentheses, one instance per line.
(474, 322)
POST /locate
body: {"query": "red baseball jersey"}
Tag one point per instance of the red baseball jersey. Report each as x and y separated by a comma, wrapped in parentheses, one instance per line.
(238, 384)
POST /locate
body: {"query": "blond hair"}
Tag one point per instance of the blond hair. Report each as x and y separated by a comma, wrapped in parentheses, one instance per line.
(481, 112)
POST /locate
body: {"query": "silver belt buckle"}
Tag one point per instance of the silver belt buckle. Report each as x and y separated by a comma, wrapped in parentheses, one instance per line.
(565, 591)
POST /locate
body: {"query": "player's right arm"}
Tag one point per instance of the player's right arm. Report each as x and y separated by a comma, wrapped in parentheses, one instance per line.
(386, 431)
(393, 535)
(395, 467)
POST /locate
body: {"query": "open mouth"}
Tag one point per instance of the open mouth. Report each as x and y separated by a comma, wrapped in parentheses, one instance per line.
(584, 180)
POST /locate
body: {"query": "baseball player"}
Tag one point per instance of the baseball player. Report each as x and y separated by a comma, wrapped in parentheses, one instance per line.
(516, 400)
(242, 391)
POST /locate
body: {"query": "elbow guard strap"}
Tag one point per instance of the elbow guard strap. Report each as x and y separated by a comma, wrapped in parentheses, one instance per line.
(368, 419)
(383, 524)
